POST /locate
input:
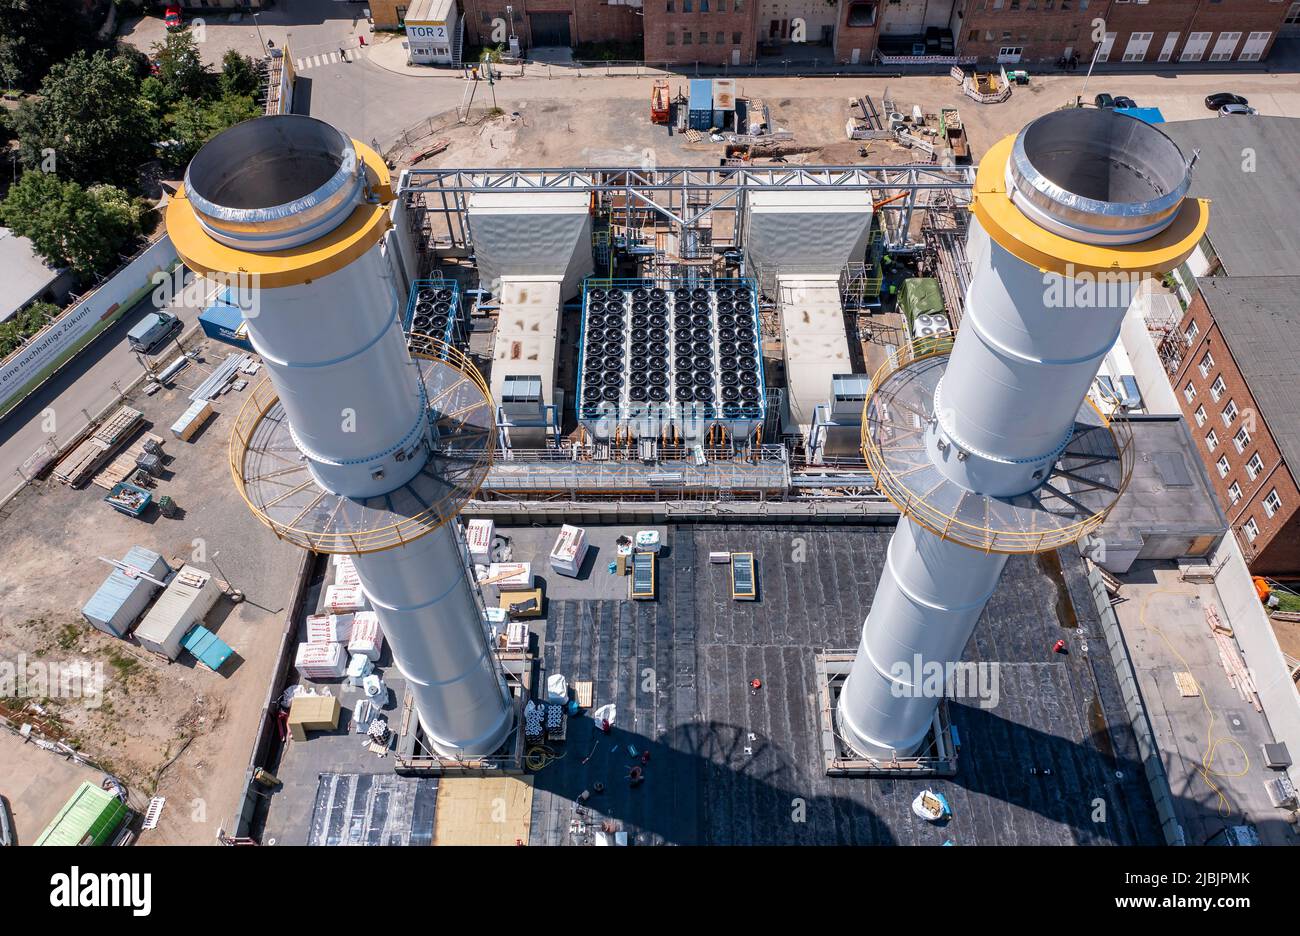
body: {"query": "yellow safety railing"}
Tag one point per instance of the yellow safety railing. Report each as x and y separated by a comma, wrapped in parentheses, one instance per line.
(942, 523)
(387, 536)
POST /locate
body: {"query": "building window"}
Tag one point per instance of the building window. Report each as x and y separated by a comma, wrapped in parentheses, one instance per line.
(1230, 413)
(1234, 492)
(1190, 335)
(1293, 15)
(1207, 364)
(1189, 392)
(1251, 529)
(686, 38)
(738, 7)
(735, 38)
(704, 6)
(1255, 466)
(672, 6)
(1218, 388)
(688, 6)
(1065, 5)
(1272, 503)
(1015, 4)
(1241, 440)
(860, 14)
(1200, 415)
(670, 39)
(1222, 465)
(997, 4)
(704, 38)
(1211, 440)
(719, 39)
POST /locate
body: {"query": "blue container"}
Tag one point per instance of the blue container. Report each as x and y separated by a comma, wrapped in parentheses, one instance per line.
(207, 647)
(225, 322)
(120, 601)
(701, 104)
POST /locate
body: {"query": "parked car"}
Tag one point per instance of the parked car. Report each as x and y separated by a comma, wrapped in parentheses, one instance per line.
(1104, 100)
(1221, 99)
(148, 334)
(172, 17)
(1123, 101)
(7, 836)
(1228, 110)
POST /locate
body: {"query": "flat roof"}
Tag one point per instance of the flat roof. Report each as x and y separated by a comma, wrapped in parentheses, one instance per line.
(1252, 218)
(429, 11)
(815, 341)
(528, 328)
(1169, 492)
(1260, 322)
(26, 275)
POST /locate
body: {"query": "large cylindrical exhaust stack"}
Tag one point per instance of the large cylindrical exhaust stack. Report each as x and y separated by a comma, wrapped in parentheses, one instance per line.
(362, 448)
(992, 449)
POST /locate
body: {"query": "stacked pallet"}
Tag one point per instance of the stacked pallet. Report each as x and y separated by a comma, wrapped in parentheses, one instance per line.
(80, 465)
(122, 467)
(1239, 675)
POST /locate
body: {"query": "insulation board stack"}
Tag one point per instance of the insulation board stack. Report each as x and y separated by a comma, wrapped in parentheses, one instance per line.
(367, 639)
(343, 599)
(321, 661)
(345, 573)
(329, 628)
(478, 537)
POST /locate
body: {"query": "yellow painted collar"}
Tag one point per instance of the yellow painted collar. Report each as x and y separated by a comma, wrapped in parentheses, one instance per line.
(1014, 232)
(295, 266)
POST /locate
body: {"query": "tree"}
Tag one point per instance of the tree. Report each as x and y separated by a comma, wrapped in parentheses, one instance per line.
(181, 68)
(239, 74)
(89, 123)
(86, 230)
(193, 123)
(34, 34)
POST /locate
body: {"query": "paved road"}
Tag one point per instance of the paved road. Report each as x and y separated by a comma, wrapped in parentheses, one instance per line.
(84, 386)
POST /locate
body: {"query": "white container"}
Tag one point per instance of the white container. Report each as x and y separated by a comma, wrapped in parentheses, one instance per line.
(367, 638)
(647, 541)
(319, 661)
(184, 603)
(343, 599)
(569, 550)
(329, 628)
(478, 537)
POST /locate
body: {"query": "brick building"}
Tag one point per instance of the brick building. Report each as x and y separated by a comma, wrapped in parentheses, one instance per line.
(1012, 31)
(717, 32)
(1234, 359)
(1239, 386)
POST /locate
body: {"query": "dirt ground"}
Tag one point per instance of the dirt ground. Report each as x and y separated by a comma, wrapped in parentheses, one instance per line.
(160, 727)
(37, 783)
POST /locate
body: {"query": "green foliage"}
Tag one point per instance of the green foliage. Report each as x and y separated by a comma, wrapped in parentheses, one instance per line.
(180, 67)
(26, 323)
(86, 230)
(34, 34)
(239, 75)
(192, 123)
(88, 123)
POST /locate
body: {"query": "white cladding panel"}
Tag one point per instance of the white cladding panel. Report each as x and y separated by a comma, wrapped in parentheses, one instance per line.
(520, 233)
(807, 232)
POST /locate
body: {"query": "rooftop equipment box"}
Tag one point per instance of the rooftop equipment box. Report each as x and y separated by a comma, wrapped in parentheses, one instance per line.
(184, 603)
(478, 537)
(569, 551)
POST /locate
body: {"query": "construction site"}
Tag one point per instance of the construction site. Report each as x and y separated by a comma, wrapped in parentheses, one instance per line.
(765, 502)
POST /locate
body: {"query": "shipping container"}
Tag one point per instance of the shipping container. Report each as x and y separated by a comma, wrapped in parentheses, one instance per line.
(91, 816)
(183, 604)
(123, 597)
(224, 322)
(701, 104)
